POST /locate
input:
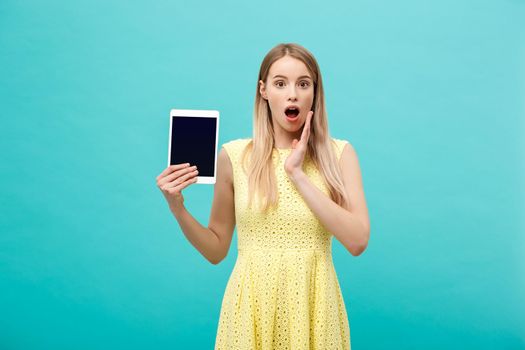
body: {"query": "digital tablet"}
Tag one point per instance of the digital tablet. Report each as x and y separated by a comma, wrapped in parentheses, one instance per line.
(194, 136)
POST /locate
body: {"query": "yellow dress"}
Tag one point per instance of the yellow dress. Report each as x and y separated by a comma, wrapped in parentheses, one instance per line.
(283, 292)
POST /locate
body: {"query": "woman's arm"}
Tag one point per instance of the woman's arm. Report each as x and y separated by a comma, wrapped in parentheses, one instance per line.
(351, 225)
(214, 241)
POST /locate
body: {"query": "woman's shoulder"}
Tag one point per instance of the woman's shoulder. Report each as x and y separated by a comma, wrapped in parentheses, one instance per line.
(339, 145)
(339, 142)
(236, 143)
(236, 146)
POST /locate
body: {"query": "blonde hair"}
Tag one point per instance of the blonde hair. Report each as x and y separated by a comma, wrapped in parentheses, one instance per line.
(261, 175)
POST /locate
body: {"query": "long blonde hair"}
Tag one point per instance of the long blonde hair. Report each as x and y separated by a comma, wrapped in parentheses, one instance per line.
(261, 175)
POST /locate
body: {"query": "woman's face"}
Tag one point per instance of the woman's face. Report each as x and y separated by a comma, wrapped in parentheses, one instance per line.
(289, 90)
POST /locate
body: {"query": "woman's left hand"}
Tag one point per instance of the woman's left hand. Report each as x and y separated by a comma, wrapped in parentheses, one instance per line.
(294, 162)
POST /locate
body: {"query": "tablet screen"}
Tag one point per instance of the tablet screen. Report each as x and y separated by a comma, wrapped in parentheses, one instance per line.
(193, 141)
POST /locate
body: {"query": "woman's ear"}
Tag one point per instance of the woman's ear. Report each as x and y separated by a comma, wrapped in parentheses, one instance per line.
(262, 89)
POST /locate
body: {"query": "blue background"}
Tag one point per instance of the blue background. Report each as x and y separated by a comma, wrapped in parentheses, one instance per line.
(430, 93)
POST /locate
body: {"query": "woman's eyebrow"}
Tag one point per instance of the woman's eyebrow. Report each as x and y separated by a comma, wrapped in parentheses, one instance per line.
(282, 76)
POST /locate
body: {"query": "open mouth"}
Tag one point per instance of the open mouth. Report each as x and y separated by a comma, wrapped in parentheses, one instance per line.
(292, 112)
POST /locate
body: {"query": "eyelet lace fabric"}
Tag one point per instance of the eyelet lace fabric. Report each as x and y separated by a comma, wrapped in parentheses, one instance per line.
(283, 292)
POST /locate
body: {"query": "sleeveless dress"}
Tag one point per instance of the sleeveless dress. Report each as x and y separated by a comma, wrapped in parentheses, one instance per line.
(283, 292)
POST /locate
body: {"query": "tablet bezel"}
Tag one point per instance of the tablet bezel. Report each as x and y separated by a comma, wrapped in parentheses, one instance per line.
(197, 114)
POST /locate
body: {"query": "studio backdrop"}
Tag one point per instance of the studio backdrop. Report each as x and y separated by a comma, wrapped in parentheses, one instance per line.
(429, 93)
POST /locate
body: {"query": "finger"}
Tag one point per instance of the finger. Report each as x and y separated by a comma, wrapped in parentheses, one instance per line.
(176, 178)
(183, 178)
(306, 129)
(176, 174)
(294, 143)
(184, 184)
(309, 120)
(172, 168)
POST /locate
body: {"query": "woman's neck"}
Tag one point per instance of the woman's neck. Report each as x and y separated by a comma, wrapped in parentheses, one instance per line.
(283, 139)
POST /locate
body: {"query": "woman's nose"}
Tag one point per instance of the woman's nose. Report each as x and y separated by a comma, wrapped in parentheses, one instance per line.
(292, 94)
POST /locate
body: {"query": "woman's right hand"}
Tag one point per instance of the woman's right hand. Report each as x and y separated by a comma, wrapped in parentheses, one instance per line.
(173, 180)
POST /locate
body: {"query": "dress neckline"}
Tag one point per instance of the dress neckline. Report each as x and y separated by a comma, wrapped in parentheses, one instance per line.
(282, 150)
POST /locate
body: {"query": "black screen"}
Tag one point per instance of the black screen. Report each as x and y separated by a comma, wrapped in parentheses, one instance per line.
(193, 141)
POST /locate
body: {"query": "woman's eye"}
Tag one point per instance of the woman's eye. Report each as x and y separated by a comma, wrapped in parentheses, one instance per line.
(279, 83)
(304, 84)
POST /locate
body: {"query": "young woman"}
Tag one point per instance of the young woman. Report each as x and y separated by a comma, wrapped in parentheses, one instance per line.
(289, 189)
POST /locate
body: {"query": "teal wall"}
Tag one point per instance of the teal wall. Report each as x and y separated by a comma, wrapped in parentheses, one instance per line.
(430, 93)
